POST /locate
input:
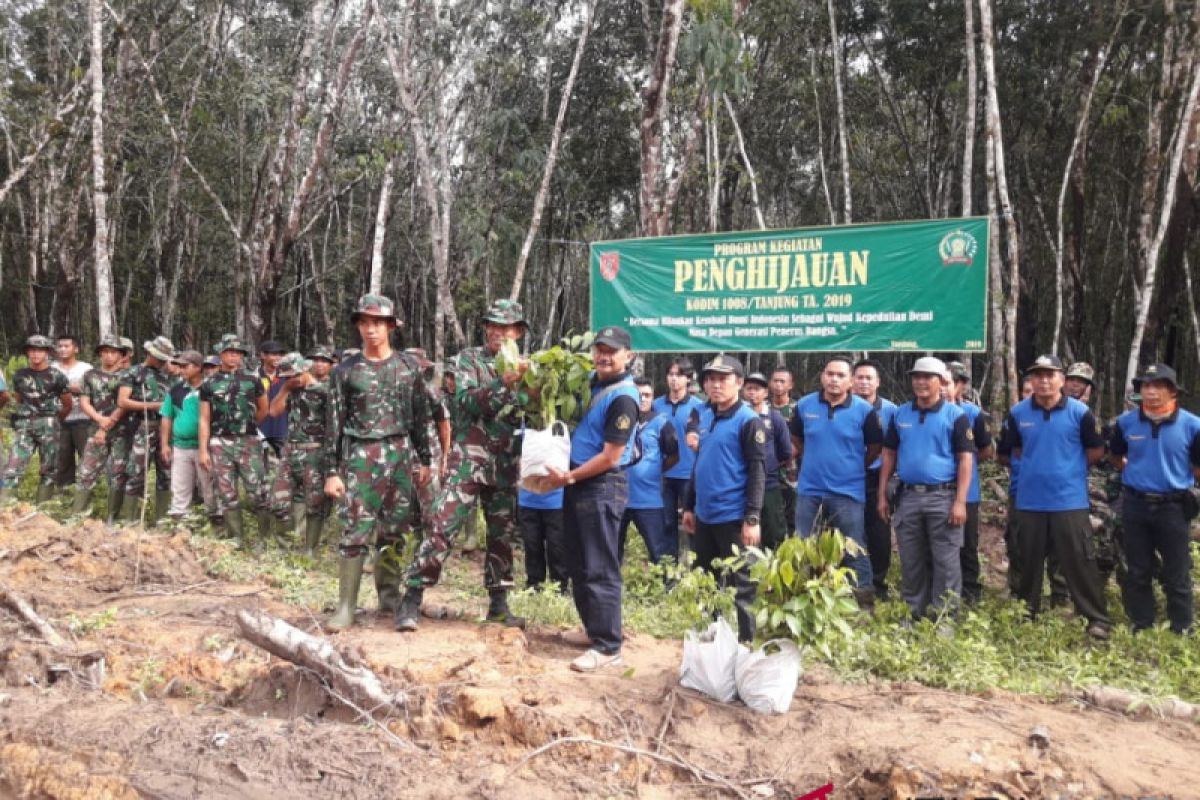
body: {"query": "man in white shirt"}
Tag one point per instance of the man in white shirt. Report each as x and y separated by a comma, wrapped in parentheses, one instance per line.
(74, 433)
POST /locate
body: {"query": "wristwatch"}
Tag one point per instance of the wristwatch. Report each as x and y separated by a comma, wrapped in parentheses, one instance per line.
(751, 519)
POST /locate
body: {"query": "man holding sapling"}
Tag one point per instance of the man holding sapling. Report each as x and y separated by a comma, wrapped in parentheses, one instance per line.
(485, 414)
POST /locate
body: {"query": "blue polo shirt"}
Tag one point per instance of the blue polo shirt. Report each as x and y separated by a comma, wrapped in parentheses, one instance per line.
(678, 413)
(728, 440)
(550, 501)
(607, 420)
(1053, 444)
(656, 439)
(835, 442)
(927, 442)
(1159, 455)
(885, 409)
(977, 418)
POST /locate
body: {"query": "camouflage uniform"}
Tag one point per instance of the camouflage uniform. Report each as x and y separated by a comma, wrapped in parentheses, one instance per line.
(1104, 503)
(140, 429)
(484, 422)
(35, 423)
(100, 388)
(373, 407)
(300, 478)
(233, 447)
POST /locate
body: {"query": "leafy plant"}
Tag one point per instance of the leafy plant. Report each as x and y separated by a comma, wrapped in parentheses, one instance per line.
(804, 593)
(556, 378)
(93, 623)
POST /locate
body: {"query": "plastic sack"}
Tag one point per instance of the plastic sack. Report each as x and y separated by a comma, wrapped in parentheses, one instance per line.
(543, 449)
(766, 678)
(709, 660)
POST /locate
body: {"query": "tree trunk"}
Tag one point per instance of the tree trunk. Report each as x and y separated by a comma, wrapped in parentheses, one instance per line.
(843, 145)
(539, 202)
(968, 159)
(654, 219)
(105, 300)
(382, 212)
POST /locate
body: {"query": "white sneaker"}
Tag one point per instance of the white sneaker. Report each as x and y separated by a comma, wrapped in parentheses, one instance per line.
(594, 660)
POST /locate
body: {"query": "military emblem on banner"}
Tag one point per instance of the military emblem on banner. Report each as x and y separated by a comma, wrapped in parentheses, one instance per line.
(958, 247)
(610, 265)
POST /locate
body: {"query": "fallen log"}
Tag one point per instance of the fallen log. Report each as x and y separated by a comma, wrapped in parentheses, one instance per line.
(52, 637)
(343, 673)
(1126, 702)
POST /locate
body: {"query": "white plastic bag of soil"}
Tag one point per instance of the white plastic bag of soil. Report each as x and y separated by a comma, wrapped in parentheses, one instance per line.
(766, 678)
(709, 660)
(541, 450)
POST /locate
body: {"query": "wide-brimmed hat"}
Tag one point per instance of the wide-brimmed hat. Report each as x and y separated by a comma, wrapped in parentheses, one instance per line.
(374, 305)
(160, 347)
(505, 312)
(230, 341)
(1157, 372)
(111, 342)
(1083, 371)
(39, 342)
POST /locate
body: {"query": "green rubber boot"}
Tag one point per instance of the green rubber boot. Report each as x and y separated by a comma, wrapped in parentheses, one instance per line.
(131, 512)
(267, 528)
(233, 524)
(115, 501)
(7, 495)
(499, 612)
(44, 493)
(409, 611)
(312, 535)
(299, 516)
(82, 501)
(350, 572)
(387, 583)
(162, 502)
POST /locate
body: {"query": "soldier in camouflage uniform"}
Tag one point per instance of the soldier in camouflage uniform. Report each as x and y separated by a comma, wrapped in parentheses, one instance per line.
(232, 403)
(484, 420)
(43, 400)
(299, 485)
(140, 397)
(377, 428)
(98, 398)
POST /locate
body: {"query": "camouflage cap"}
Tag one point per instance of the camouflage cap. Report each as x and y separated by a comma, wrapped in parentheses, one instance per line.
(505, 312)
(39, 342)
(958, 371)
(1083, 371)
(375, 305)
(127, 344)
(230, 341)
(111, 342)
(160, 347)
(293, 364)
(321, 352)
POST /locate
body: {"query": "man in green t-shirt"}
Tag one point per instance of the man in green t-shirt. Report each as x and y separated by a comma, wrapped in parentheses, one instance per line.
(180, 437)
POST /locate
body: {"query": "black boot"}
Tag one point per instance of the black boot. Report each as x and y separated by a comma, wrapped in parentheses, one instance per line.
(410, 609)
(498, 610)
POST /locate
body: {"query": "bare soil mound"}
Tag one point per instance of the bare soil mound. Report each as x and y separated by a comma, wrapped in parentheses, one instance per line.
(156, 695)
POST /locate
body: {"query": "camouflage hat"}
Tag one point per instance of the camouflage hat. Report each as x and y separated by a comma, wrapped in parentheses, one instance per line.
(230, 341)
(127, 344)
(958, 371)
(39, 342)
(293, 364)
(160, 347)
(375, 305)
(505, 312)
(1083, 371)
(111, 342)
(419, 354)
(321, 352)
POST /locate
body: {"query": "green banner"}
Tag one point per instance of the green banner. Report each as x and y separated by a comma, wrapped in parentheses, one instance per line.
(894, 286)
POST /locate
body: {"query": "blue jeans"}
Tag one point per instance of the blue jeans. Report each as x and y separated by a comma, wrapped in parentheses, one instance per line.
(649, 522)
(843, 513)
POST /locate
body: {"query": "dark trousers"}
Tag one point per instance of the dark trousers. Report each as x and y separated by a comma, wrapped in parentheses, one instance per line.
(713, 541)
(972, 588)
(774, 523)
(1070, 534)
(542, 534)
(788, 493)
(1163, 529)
(592, 512)
(72, 439)
(878, 533)
(649, 522)
(673, 490)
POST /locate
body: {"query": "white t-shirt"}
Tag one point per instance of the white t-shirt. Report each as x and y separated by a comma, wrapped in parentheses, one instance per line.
(75, 378)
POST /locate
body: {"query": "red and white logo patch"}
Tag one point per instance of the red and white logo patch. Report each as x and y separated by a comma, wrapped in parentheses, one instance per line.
(610, 265)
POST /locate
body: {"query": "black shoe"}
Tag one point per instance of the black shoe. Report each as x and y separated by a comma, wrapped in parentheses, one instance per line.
(410, 610)
(499, 613)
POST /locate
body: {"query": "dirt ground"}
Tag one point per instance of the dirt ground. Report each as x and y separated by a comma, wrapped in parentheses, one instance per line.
(163, 699)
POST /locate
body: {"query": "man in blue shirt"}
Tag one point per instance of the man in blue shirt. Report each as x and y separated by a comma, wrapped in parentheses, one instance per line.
(594, 503)
(836, 435)
(724, 498)
(655, 449)
(677, 404)
(1013, 578)
(929, 444)
(777, 459)
(866, 378)
(1057, 439)
(1157, 447)
(972, 588)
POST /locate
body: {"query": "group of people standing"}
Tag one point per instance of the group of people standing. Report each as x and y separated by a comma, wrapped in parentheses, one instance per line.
(405, 448)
